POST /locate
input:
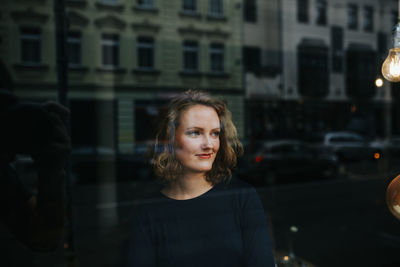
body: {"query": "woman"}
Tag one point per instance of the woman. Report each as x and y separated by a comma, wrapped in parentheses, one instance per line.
(201, 217)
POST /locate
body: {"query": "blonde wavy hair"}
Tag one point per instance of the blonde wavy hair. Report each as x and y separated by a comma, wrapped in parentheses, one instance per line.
(165, 164)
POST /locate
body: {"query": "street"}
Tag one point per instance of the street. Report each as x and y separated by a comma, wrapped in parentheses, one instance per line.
(339, 222)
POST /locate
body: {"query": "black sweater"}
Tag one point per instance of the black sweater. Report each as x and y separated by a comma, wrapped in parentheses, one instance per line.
(225, 226)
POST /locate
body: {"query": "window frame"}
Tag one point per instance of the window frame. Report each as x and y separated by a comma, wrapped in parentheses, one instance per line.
(321, 12)
(74, 38)
(29, 35)
(146, 4)
(112, 41)
(216, 8)
(368, 20)
(190, 48)
(147, 44)
(217, 50)
(250, 11)
(303, 15)
(192, 3)
(352, 16)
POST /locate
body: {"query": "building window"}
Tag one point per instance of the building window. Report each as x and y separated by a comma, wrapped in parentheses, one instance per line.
(145, 3)
(352, 17)
(216, 8)
(250, 11)
(361, 72)
(31, 46)
(337, 49)
(321, 18)
(109, 2)
(217, 57)
(110, 50)
(74, 49)
(368, 18)
(302, 11)
(252, 58)
(190, 6)
(145, 53)
(190, 56)
(313, 70)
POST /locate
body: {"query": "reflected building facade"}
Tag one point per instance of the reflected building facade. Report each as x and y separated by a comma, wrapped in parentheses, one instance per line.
(330, 53)
(286, 68)
(126, 59)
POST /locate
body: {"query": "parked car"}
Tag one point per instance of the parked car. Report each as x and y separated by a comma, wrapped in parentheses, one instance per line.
(348, 146)
(387, 147)
(285, 161)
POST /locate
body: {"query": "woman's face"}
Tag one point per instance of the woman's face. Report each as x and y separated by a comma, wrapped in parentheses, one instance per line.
(197, 138)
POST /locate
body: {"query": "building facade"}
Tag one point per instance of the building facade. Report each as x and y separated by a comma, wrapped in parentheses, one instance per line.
(330, 54)
(127, 58)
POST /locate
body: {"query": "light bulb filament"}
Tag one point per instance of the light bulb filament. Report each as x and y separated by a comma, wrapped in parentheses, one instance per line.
(394, 68)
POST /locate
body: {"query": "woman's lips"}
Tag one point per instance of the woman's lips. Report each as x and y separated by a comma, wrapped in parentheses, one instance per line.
(204, 156)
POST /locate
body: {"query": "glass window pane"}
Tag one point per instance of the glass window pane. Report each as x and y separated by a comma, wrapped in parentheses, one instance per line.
(190, 5)
(217, 57)
(74, 49)
(145, 3)
(352, 16)
(190, 56)
(145, 52)
(30, 45)
(302, 10)
(216, 7)
(110, 50)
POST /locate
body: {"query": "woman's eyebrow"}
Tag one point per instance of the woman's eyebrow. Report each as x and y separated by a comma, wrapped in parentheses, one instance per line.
(194, 128)
(200, 128)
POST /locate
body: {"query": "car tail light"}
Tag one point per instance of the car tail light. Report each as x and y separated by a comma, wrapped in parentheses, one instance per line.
(258, 158)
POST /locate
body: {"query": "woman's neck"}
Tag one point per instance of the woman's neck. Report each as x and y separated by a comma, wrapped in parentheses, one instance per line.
(187, 187)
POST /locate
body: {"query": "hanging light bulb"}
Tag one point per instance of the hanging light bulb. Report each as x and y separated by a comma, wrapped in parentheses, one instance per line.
(391, 65)
(393, 197)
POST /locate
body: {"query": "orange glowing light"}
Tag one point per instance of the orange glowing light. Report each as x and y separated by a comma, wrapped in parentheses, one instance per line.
(377, 155)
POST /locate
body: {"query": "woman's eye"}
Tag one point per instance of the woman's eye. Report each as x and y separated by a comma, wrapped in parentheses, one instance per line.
(193, 133)
(215, 134)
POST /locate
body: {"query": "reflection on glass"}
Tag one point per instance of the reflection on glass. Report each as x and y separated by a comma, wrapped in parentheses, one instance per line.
(391, 66)
(393, 197)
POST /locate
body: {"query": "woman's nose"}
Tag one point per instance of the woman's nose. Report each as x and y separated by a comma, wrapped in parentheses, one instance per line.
(207, 143)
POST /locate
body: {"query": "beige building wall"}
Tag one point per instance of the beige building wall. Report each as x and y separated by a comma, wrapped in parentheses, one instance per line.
(265, 34)
(165, 22)
(294, 33)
